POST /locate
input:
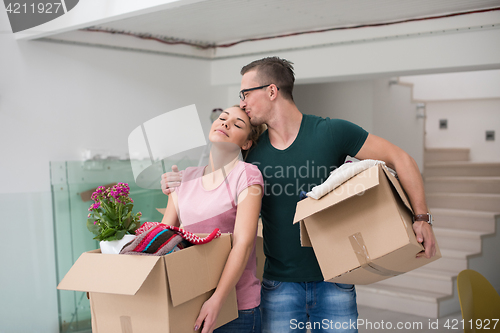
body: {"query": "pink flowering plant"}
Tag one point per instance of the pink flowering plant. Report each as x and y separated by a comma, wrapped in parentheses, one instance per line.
(110, 216)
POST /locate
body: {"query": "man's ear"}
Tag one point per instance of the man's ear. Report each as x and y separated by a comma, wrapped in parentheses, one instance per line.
(274, 93)
(247, 145)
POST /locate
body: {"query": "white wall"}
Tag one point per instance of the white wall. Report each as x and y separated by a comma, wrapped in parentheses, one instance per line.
(55, 101)
(395, 118)
(350, 101)
(455, 86)
(468, 120)
(470, 101)
(383, 110)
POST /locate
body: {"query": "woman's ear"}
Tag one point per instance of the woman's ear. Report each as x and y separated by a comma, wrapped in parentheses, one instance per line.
(247, 145)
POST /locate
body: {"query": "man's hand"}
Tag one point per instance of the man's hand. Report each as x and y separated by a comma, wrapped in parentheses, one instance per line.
(423, 231)
(171, 180)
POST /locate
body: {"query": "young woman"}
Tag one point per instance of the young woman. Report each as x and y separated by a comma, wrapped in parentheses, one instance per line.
(225, 194)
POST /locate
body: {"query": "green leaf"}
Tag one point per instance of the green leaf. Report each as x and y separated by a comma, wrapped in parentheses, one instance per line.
(112, 238)
(107, 233)
(119, 234)
(132, 226)
(106, 207)
(110, 222)
(93, 228)
(128, 207)
(112, 215)
(127, 220)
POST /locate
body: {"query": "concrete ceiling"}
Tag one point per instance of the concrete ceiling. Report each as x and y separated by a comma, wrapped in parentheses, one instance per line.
(213, 23)
(222, 21)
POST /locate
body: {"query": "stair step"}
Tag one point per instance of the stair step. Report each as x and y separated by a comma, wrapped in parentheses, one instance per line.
(463, 184)
(446, 154)
(458, 233)
(452, 260)
(467, 169)
(455, 254)
(464, 198)
(463, 219)
(457, 239)
(469, 201)
(405, 300)
(424, 279)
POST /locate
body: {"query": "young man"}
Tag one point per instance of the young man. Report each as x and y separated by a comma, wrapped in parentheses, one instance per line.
(293, 290)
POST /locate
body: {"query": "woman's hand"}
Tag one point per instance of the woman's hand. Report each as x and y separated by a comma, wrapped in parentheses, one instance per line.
(208, 315)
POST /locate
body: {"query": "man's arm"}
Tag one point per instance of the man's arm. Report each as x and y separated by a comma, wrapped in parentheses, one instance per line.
(409, 176)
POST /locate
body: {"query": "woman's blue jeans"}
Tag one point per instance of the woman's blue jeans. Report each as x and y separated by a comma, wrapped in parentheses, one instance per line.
(298, 306)
(248, 321)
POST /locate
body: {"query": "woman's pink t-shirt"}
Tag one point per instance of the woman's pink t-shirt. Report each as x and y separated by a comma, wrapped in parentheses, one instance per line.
(201, 211)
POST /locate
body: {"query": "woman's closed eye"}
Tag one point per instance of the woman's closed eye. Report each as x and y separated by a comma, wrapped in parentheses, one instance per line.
(223, 119)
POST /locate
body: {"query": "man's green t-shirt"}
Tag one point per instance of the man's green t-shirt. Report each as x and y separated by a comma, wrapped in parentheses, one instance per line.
(320, 147)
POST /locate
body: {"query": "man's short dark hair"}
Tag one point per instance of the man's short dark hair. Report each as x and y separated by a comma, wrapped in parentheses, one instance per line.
(274, 70)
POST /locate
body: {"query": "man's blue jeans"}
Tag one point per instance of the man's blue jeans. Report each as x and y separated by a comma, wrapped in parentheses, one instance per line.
(248, 321)
(296, 306)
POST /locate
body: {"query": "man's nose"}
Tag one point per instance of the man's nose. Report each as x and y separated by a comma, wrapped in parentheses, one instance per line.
(242, 104)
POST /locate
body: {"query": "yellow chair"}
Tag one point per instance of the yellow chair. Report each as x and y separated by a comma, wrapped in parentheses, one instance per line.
(479, 302)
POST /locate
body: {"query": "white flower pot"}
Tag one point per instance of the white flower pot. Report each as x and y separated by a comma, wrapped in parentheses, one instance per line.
(114, 247)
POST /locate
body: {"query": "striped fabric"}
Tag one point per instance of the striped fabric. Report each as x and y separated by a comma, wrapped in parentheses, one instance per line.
(159, 239)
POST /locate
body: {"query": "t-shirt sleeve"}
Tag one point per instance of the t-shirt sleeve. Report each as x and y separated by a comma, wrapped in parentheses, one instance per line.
(251, 175)
(348, 136)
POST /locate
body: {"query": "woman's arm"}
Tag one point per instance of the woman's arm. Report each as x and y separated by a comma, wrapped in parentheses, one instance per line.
(170, 217)
(245, 230)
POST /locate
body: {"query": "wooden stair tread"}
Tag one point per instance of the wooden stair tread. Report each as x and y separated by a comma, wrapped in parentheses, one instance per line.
(461, 164)
(433, 273)
(463, 212)
(476, 195)
(462, 178)
(459, 232)
(413, 294)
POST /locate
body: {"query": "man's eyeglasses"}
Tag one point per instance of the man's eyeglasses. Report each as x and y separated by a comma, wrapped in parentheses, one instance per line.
(242, 93)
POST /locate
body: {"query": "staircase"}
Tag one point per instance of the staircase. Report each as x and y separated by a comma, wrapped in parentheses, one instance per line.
(464, 198)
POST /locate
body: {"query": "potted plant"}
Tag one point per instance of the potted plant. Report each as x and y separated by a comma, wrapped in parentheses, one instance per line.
(111, 219)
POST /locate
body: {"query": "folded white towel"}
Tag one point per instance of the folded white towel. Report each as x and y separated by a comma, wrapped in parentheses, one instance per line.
(340, 176)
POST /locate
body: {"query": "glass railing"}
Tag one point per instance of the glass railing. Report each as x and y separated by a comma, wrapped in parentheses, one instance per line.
(71, 180)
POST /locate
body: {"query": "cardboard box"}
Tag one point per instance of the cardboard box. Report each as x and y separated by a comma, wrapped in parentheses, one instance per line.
(362, 231)
(132, 293)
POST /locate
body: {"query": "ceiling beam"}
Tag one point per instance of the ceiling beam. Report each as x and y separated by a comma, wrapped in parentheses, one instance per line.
(94, 12)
